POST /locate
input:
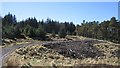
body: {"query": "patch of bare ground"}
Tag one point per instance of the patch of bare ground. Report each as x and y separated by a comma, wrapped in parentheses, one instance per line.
(73, 53)
(12, 62)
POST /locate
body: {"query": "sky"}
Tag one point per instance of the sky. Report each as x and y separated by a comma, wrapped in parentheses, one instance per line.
(74, 12)
(60, 0)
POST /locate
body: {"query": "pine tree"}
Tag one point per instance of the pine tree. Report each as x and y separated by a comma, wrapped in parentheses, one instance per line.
(62, 33)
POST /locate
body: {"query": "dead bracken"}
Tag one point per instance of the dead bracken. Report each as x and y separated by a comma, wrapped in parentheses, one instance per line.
(70, 53)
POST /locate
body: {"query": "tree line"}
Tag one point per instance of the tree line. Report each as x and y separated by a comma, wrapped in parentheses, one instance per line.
(106, 30)
(31, 27)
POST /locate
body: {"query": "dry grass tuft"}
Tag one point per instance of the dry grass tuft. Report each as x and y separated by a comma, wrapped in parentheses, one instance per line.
(13, 62)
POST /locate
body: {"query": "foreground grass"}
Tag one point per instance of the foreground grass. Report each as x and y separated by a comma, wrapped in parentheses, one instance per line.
(39, 55)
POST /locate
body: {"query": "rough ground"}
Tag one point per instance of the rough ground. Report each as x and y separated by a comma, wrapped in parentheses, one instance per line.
(10, 42)
(69, 53)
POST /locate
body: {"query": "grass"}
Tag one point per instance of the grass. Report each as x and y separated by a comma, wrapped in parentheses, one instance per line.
(13, 61)
(18, 43)
(59, 60)
(47, 57)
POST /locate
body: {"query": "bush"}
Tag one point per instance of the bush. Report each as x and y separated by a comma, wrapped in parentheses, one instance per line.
(40, 32)
(68, 33)
(17, 33)
(27, 30)
(9, 32)
(53, 34)
(62, 33)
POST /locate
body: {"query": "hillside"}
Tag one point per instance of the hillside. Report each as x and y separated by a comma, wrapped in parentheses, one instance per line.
(68, 53)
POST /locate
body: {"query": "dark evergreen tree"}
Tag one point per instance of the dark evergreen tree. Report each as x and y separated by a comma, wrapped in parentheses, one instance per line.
(62, 33)
(40, 32)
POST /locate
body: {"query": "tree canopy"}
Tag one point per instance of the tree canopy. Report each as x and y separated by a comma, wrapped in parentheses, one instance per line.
(31, 27)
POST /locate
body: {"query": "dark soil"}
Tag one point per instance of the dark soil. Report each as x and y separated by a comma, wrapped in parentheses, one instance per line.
(76, 49)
